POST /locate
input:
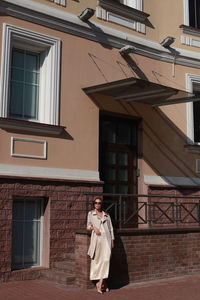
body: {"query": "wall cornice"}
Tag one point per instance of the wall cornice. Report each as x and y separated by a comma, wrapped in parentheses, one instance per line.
(63, 21)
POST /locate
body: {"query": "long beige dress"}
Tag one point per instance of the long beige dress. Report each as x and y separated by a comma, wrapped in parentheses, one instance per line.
(100, 264)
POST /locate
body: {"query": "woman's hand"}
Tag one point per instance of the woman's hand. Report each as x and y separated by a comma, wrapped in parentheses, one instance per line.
(113, 244)
(97, 231)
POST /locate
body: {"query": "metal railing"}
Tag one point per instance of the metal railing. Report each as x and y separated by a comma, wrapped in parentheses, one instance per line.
(132, 210)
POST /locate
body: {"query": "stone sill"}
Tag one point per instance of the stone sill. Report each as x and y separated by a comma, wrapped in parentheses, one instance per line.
(141, 231)
(29, 126)
(28, 270)
(123, 10)
(190, 30)
(194, 148)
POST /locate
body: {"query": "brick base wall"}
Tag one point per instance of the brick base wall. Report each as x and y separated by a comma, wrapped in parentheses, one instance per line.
(146, 254)
(66, 215)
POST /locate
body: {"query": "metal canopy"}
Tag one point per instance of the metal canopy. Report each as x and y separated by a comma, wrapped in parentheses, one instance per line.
(138, 90)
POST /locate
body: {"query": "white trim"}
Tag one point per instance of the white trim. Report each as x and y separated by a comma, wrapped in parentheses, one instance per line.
(54, 173)
(190, 79)
(59, 2)
(186, 12)
(190, 41)
(50, 70)
(170, 180)
(41, 232)
(12, 148)
(61, 20)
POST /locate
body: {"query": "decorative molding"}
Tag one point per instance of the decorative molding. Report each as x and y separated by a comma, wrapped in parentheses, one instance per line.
(120, 20)
(51, 173)
(189, 41)
(42, 142)
(59, 2)
(194, 148)
(190, 30)
(170, 180)
(58, 19)
(27, 126)
(123, 10)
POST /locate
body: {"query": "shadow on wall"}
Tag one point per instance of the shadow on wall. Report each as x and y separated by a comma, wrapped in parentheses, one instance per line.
(165, 145)
(118, 276)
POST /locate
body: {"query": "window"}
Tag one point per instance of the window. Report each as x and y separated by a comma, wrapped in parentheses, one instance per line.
(27, 229)
(196, 114)
(193, 109)
(30, 76)
(194, 13)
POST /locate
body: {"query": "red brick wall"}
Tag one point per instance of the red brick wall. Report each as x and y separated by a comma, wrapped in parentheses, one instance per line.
(67, 215)
(147, 254)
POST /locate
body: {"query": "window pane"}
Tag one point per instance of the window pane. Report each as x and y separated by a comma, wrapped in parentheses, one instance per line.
(124, 134)
(196, 112)
(18, 58)
(32, 61)
(110, 174)
(108, 132)
(17, 74)
(109, 188)
(30, 101)
(32, 240)
(32, 210)
(194, 13)
(18, 210)
(16, 99)
(123, 174)
(123, 189)
(123, 158)
(111, 158)
(32, 77)
(17, 243)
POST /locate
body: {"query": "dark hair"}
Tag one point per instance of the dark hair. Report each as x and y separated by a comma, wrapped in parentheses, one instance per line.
(98, 197)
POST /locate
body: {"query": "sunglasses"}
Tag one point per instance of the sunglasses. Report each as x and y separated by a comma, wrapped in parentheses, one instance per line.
(97, 202)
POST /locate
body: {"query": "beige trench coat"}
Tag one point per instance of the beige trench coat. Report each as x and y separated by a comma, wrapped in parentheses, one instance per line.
(94, 220)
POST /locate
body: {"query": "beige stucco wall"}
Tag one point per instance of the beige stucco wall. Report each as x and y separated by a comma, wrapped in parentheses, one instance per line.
(86, 63)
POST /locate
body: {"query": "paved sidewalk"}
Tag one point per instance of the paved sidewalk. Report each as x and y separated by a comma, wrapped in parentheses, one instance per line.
(179, 288)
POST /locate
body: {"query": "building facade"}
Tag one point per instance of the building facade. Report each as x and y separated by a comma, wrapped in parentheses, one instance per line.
(95, 96)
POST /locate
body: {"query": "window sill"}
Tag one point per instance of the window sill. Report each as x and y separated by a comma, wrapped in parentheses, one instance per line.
(190, 30)
(194, 148)
(123, 10)
(28, 126)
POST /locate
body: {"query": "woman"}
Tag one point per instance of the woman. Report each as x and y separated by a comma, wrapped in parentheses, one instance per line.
(102, 240)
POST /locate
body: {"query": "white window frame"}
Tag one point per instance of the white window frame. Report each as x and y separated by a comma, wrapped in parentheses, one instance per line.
(190, 80)
(186, 12)
(138, 4)
(49, 48)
